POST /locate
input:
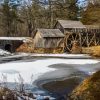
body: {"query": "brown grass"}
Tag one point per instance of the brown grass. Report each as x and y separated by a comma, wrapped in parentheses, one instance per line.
(48, 50)
(89, 89)
(76, 49)
(29, 48)
(26, 47)
(94, 51)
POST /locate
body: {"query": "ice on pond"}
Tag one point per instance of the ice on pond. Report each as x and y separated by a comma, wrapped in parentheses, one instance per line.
(30, 71)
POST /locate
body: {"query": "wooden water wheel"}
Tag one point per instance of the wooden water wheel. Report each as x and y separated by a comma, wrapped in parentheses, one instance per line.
(72, 39)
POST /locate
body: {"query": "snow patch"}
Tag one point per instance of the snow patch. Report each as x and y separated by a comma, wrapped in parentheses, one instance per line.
(60, 55)
(24, 39)
(3, 52)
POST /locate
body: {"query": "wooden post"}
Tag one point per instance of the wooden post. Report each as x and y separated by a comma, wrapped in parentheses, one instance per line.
(80, 38)
(95, 42)
(87, 39)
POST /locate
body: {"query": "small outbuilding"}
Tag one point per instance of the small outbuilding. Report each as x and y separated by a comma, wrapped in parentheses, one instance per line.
(48, 39)
(69, 26)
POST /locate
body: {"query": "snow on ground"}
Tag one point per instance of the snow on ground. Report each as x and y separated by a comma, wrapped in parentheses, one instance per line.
(3, 52)
(30, 71)
(64, 55)
(24, 39)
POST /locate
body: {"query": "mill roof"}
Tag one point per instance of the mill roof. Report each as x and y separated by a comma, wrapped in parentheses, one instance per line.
(46, 33)
(92, 26)
(71, 24)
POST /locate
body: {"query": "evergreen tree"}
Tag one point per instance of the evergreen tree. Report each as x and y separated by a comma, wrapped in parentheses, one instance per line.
(91, 14)
(73, 8)
(9, 18)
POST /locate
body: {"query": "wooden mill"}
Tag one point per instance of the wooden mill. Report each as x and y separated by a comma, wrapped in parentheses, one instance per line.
(78, 35)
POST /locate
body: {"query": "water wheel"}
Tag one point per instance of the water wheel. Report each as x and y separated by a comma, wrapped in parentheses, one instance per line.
(72, 39)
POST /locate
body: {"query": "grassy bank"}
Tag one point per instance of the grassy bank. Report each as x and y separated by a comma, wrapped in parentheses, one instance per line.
(94, 51)
(89, 89)
(29, 48)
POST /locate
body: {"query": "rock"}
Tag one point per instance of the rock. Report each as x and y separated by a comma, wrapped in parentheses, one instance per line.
(46, 98)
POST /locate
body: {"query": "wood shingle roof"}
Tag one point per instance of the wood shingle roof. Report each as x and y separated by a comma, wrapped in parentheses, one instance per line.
(71, 24)
(45, 33)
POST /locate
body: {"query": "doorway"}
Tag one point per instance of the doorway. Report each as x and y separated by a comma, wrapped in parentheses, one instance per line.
(8, 47)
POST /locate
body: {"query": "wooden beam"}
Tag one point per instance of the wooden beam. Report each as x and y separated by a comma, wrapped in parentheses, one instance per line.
(87, 39)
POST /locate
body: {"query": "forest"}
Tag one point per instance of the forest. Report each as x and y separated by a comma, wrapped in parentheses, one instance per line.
(23, 17)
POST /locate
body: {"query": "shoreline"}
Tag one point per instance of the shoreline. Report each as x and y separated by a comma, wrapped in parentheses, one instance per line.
(61, 87)
(53, 71)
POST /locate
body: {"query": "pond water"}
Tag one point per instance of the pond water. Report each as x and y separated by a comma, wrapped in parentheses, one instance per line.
(54, 77)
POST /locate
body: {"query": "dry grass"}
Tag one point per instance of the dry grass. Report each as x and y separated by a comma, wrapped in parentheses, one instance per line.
(29, 48)
(94, 51)
(48, 50)
(88, 90)
(6, 94)
(76, 49)
(26, 47)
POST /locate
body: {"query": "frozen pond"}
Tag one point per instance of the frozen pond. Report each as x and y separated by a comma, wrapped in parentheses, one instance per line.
(38, 71)
(29, 69)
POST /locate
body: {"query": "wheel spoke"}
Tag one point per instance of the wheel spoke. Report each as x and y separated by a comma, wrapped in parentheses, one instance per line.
(70, 39)
(76, 37)
(68, 49)
(73, 37)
